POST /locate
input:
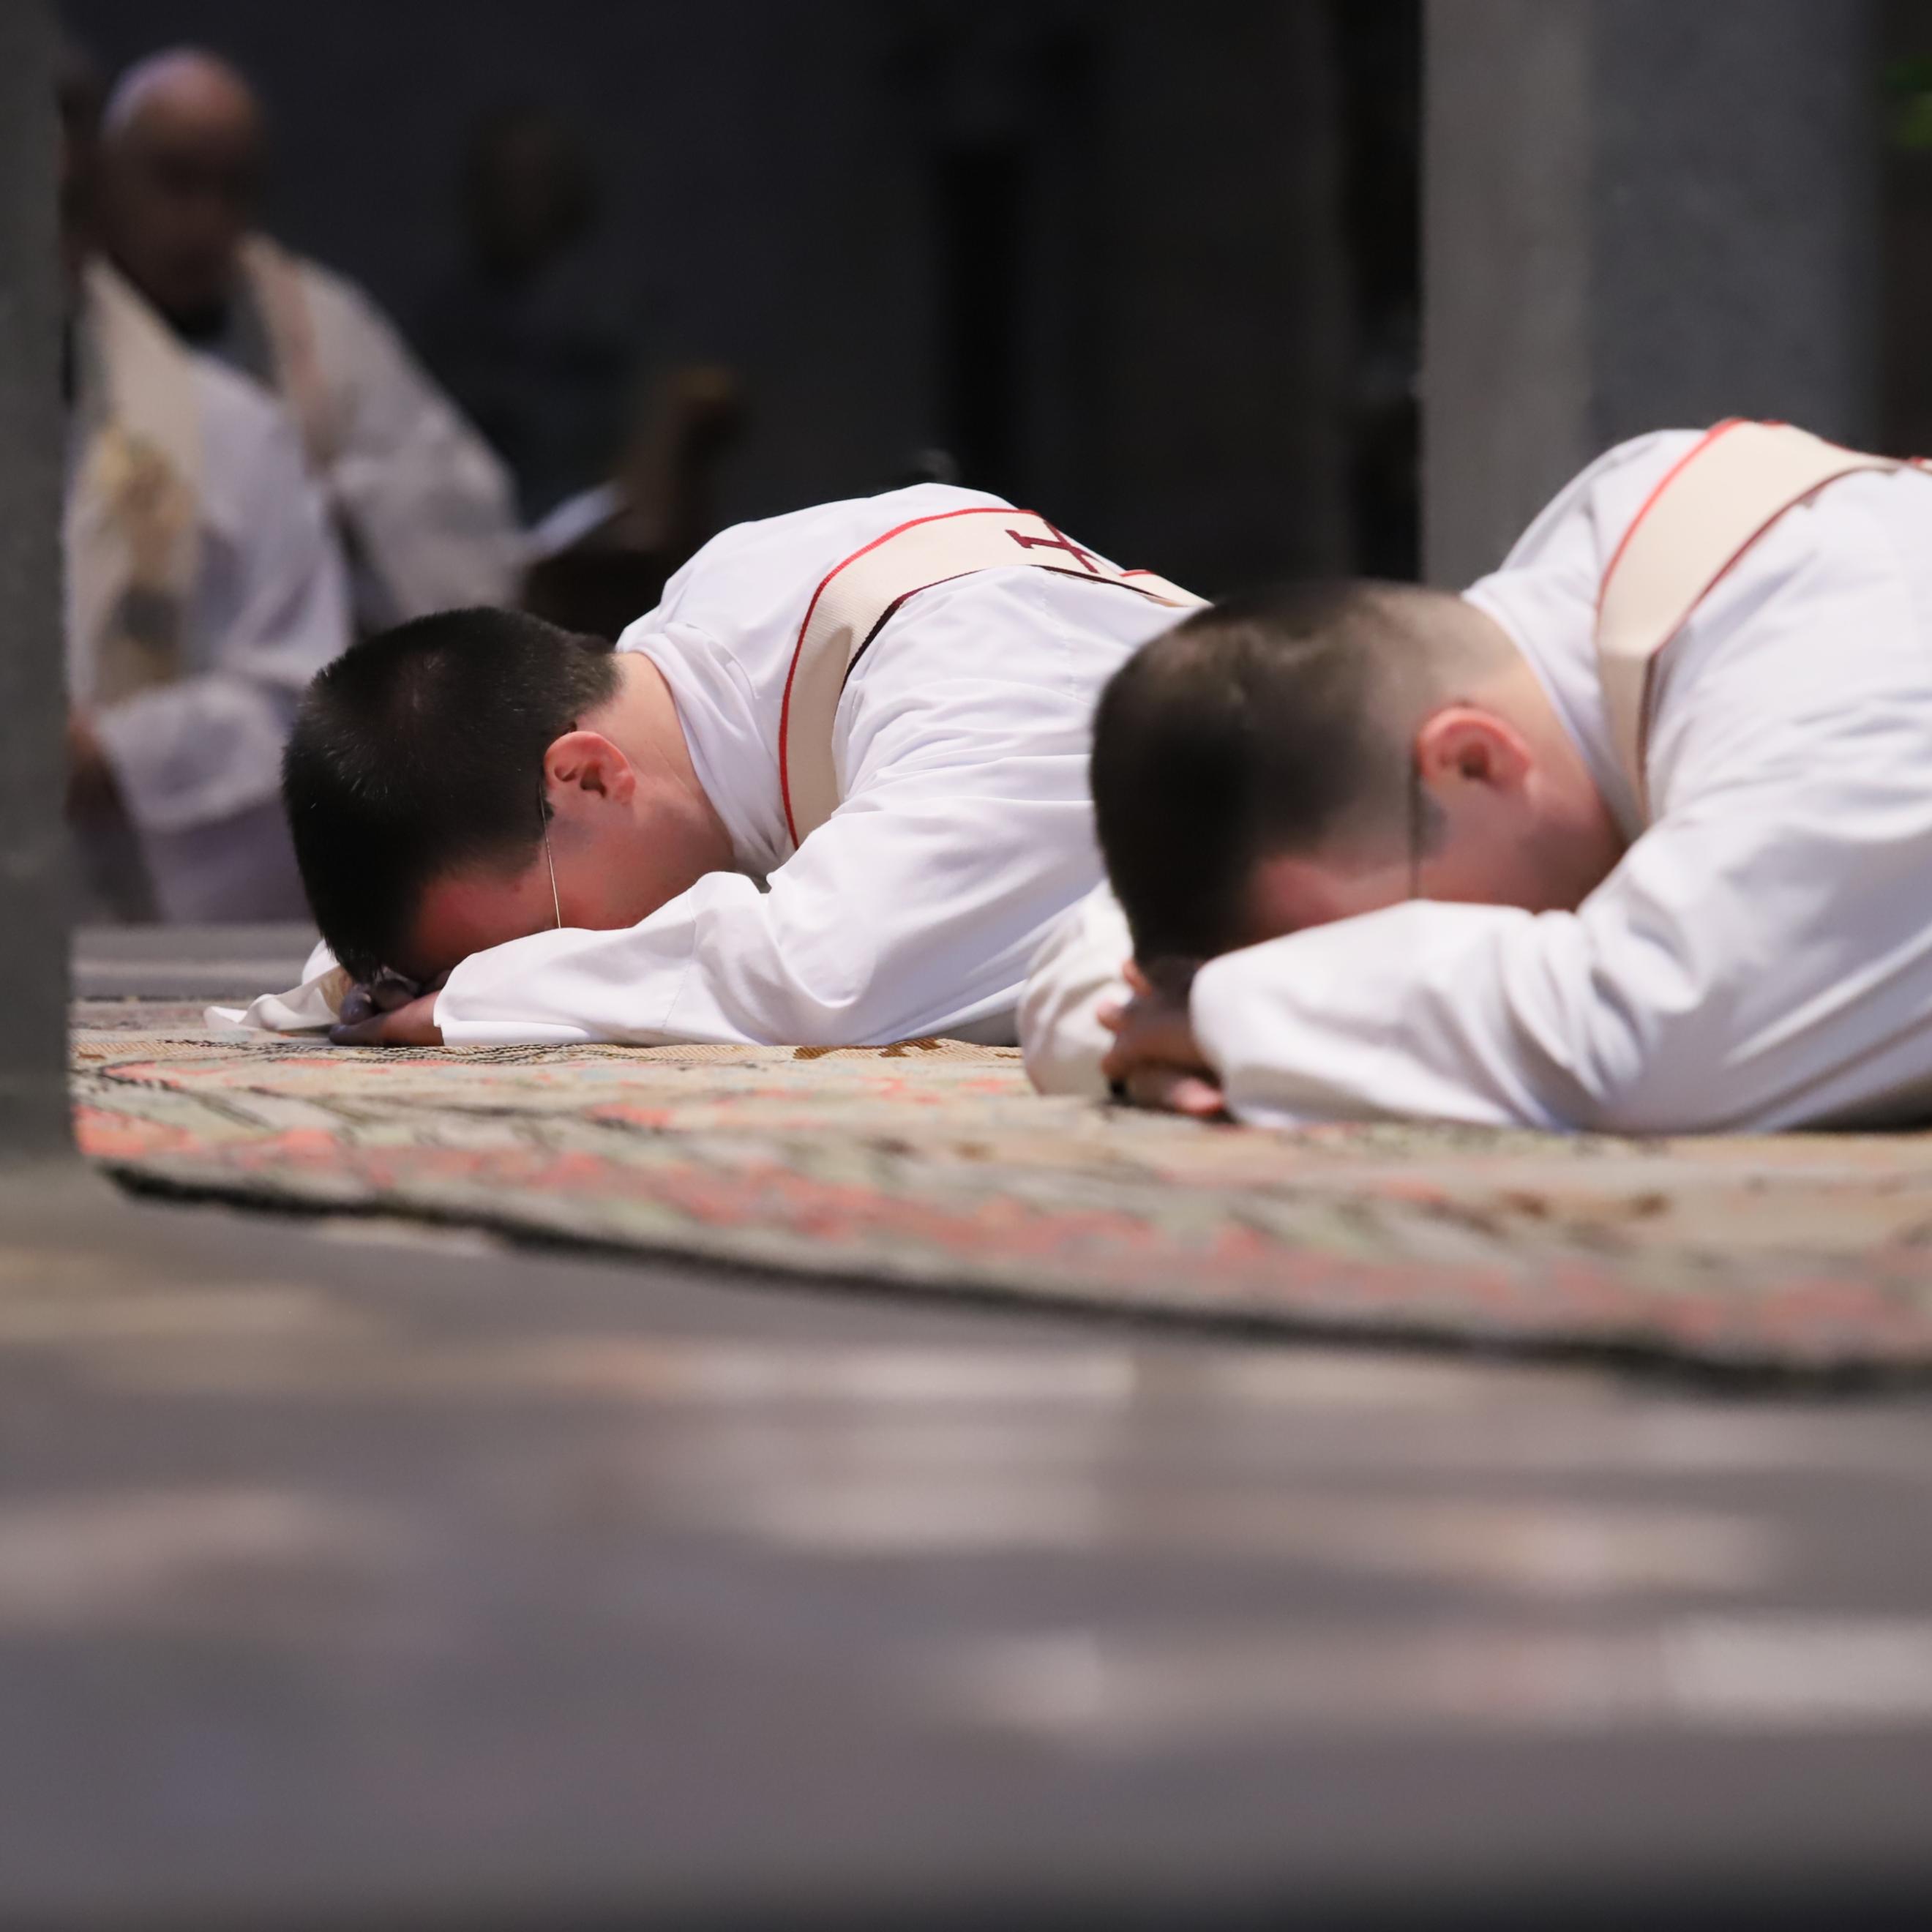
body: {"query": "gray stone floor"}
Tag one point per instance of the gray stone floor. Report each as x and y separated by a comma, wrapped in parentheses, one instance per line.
(223, 962)
(351, 1574)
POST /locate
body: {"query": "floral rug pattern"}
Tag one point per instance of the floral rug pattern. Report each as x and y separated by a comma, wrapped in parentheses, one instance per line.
(932, 1165)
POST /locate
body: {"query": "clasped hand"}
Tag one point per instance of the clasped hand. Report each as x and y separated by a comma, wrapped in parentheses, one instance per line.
(390, 1011)
(1156, 1061)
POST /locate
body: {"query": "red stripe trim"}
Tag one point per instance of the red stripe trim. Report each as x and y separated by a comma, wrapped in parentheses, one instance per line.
(1731, 562)
(899, 602)
(785, 710)
(1649, 503)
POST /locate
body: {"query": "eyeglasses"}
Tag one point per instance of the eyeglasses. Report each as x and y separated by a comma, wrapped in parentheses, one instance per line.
(543, 826)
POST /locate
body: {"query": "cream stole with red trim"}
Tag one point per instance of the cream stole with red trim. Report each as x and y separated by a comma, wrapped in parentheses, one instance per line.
(275, 277)
(855, 600)
(1701, 520)
(132, 522)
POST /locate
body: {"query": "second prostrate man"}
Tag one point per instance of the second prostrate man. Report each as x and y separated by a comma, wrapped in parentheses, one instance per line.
(1636, 836)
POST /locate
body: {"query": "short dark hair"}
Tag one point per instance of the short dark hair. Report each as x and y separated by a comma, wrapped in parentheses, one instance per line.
(420, 751)
(1262, 724)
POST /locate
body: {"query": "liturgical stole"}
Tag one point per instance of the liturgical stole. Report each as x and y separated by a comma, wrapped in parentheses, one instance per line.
(132, 519)
(856, 598)
(1708, 512)
(275, 277)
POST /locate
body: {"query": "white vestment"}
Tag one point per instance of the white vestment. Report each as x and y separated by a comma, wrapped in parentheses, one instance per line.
(963, 828)
(1760, 959)
(426, 507)
(195, 749)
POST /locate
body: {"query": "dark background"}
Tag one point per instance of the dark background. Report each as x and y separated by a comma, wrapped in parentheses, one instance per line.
(1905, 99)
(1148, 268)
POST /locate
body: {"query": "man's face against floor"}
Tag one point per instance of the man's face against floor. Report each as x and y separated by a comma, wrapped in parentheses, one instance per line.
(469, 912)
(1500, 853)
(610, 871)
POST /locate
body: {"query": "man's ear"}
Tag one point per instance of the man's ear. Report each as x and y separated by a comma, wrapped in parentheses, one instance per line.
(589, 763)
(1462, 743)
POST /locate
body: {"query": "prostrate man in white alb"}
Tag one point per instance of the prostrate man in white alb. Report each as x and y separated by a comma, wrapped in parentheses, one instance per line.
(832, 790)
(1636, 835)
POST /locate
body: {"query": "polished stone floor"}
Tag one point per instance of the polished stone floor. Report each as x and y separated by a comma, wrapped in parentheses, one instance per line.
(351, 1574)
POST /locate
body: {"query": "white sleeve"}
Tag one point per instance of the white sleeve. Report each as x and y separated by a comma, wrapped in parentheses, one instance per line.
(913, 909)
(269, 611)
(1755, 964)
(1417, 1013)
(899, 916)
(1076, 971)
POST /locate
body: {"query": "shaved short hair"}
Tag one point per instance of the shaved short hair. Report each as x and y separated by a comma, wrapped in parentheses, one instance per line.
(418, 753)
(1272, 723)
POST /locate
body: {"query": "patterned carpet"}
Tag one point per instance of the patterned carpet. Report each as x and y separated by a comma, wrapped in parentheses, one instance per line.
(932, 1165)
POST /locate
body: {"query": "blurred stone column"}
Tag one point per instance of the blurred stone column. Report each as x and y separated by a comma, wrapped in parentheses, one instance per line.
(33, 933)
(1636, 213)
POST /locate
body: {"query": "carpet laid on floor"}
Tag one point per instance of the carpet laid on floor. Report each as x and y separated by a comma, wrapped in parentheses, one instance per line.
(932, 1165)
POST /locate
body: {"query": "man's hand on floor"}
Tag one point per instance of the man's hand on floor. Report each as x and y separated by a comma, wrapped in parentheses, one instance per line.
(390, 1013)
(1155, 1061)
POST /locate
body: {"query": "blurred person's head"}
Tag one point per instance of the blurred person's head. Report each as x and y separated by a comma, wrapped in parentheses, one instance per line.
(529, 191)
(440, 776)
(182, 138)
(1287, 759)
